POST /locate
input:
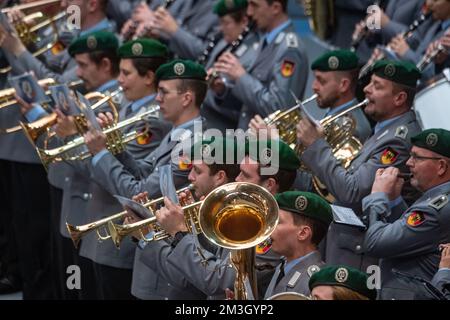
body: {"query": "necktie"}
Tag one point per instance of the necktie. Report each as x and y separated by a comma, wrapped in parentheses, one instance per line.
(264, 44)
(281, 274)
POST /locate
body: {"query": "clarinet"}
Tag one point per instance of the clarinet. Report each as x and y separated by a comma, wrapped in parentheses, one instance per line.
(427, 58)
(405, 35)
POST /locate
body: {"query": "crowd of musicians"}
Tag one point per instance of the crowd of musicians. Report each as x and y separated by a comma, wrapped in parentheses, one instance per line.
(170, 68)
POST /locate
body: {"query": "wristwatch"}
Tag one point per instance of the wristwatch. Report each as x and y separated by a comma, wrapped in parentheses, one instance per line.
(178, 237)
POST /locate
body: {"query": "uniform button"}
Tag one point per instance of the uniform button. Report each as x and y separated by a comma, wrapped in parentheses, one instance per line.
(86, 196)
(153, 158)
(358, 247)
(166, 298)
(156, 169)
(244, 114)
(67, 179)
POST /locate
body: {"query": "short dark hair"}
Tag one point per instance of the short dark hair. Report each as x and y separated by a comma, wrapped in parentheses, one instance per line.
(283, 3)
(199, 88)
(98, 56)
(319, 229)
(231, 170)
(284, 178)
(144, 65)
(410, 92)
(352, 75)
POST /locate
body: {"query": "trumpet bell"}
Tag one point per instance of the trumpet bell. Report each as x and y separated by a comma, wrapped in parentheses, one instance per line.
(238, 215)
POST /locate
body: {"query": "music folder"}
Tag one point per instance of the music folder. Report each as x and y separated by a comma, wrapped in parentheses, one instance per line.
(346, 216)
(137, 208)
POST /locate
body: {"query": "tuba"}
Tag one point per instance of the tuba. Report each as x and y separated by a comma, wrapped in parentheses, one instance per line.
(77, 232)
(322, 16)
(289, 296)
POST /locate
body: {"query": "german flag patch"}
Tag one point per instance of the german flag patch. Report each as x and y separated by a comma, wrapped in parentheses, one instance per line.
(145, 137)
(415, 219)
(287, 68)
(389, 156)
(264, 247)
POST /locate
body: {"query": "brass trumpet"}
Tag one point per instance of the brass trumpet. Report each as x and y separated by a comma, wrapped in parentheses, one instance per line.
(78, 232)
(116, 142)
(29, 34)
(7, 95)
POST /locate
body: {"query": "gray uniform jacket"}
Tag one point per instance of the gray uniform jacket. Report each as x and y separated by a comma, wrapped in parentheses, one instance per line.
(103, 204)
(223, 112)
(409, 244)
(441, 280)
(197, 23)
(390, 145)
(65, 63)
(297, 279)
(278, 68)
(154, 255)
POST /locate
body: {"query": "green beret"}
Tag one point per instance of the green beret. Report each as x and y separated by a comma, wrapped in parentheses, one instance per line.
(207, 151)
(305, 203)
(143, 48)
(336, 60)
(402, 72)
(343, 276)
(181, 69)
(224, 7)
(436, 140)
(94, 41)
(261, 151)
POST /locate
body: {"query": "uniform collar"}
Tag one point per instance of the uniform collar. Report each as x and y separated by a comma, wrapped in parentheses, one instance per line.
(136, 105)
(269, 37)
(445, 24)
(102, 25)
(383, 124)
(291, 264)
(444, 186)
(342, 107)
(188, 124)
(107, 86)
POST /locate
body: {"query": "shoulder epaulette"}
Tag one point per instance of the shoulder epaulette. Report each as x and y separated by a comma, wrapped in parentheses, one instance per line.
(439, 202)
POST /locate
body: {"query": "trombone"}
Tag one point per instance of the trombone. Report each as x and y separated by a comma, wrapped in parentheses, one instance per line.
(78, 232)
(235, 216)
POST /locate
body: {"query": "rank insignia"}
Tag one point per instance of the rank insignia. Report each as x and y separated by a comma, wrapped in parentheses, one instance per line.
(415, 219)
(287, 68)
(389, 156)
(145, 137)
(264, 247)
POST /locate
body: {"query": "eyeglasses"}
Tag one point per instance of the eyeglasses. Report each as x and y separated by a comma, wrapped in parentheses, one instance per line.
(163, 92)
(416, 157)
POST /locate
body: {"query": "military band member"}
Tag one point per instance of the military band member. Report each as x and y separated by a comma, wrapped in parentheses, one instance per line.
(92, 18)
(304, 219)
(210, 271)
(390, 93)
(181, 90)
(410, 243)
(441, 279)
(279, 67)
(204, 177)
(341, 283)
(222, 112)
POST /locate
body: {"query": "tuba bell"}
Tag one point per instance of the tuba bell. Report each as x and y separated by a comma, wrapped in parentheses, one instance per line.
(289, 296)
(238, 216)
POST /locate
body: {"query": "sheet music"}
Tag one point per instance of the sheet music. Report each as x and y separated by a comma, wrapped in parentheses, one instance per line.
(305, 113)
(346, 216)
(137, 208)
(166, 183)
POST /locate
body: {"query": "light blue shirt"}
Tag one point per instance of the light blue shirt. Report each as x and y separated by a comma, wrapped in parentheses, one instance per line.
(35, 113)
(136, 105)
(102, 25)
(445, 24)
(383, 124)
(108, 85)
(270, 36)
(289, 265)
(340, 108)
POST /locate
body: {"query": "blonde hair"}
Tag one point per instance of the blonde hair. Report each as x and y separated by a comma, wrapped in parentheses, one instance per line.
(343, 293)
